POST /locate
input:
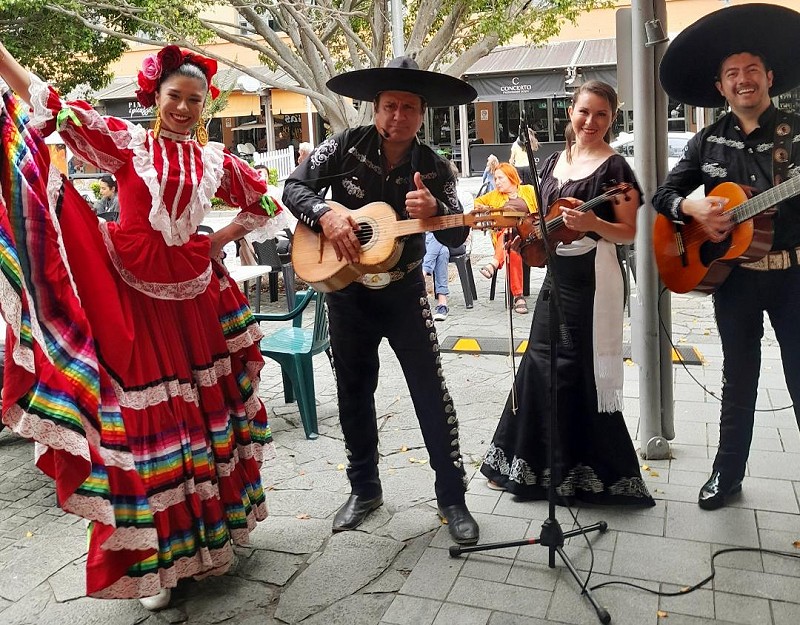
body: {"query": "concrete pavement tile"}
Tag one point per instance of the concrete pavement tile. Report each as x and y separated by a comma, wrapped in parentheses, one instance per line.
(271, 567)
(677, 493)
(626, 606)
(411, 611)
(350, 561)
(780, 466)
(687, 411)
(31, 561)
(26, 611)
(699, 602)
(407, 524)
(453, 613)
(319, 505)
(390, 581)
(755, 584)
(693, 432)
(90, 612)
(70, 582)
(505, 618)
(412, 553)
(290, 535)
(778, 521)
(692, 463)
(680, 562)
(766, 494)
(784, 542)
(479, 498)
(683, 619)
(502, 597)
(408, 487)
(688, 451)
(746, 610)
(355, 610)
(532, 574)
(623, 519)
(730, 525)
(785, 613)
(747, 559)
(766, 444)
(511, 506)
(493, 529)
(217, 599)
(694, 479)
(790, 439)
(433, 575)
(483, 566)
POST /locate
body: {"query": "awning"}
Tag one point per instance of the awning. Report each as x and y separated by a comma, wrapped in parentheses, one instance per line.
(530, 86)
(534, 72)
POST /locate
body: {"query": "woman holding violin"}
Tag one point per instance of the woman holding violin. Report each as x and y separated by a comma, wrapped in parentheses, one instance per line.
(507, 187)
(595, 459)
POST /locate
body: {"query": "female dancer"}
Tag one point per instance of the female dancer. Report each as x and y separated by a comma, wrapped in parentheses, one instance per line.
(135, 359)
(594, 457)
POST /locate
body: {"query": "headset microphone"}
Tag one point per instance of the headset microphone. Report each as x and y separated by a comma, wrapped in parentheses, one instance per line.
(384, 133)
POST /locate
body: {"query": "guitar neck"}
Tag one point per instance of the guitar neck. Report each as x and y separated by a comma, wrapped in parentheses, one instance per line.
(765, 200)
(405, 227)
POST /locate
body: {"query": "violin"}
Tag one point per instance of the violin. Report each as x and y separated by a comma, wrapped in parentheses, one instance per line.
(532, 247)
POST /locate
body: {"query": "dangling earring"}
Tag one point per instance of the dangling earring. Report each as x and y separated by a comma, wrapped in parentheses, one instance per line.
(157, 125)
(201, 134)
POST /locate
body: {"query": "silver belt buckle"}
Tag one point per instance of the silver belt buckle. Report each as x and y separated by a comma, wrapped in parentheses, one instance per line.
(376, 280)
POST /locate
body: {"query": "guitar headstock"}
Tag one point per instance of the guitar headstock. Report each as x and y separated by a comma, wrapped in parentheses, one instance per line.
(486, 218)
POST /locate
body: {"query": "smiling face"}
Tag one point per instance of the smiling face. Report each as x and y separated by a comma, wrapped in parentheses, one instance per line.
(399, 116)
(180, 100)
(591, 117)
(745, 83)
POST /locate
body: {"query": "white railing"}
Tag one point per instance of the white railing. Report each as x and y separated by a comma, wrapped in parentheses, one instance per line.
(282, 160)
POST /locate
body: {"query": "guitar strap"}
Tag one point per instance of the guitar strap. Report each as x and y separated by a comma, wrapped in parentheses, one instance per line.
(782, 147)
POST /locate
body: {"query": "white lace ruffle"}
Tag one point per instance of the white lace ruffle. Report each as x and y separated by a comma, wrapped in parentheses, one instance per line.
(39, 93)
(177, 231)
(132, 538)
(188, 289)
(261, 227)
(46, 432)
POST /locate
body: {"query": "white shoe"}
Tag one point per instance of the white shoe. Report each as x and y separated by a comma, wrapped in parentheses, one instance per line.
(157, 602)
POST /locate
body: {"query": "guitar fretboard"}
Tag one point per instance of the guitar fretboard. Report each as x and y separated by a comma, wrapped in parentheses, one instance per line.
(766, 200)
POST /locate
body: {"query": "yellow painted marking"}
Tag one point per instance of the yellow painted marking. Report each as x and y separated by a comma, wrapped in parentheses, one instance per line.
(522, 347)
(467, 345)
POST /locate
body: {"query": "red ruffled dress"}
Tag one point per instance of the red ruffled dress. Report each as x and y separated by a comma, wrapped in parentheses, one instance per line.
(167, 464)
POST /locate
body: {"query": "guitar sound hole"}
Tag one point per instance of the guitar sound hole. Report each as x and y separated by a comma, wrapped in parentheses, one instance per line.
(365, 233)
(710, 251)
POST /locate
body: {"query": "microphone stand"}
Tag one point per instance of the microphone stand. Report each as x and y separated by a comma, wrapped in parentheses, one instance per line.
(551, 536)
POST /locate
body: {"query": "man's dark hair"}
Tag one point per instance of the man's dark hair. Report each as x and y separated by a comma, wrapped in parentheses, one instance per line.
(755, 53)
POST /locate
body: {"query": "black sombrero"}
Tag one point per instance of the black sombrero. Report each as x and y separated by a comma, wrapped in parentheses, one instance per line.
(403, 74)
(690, 64)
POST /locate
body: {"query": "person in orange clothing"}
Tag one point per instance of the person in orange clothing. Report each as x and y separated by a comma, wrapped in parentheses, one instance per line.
(507, 186)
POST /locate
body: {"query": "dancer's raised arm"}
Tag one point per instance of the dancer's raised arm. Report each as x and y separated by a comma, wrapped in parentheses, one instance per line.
(14, 74)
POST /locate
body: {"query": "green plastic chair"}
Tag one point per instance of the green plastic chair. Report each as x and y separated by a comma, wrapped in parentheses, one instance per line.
(293, 349)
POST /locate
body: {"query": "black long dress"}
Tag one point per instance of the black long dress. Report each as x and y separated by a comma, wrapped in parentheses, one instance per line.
(594, 455)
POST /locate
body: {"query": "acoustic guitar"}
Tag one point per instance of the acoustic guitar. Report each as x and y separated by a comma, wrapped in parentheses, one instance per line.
(688, 260)
(379, 230)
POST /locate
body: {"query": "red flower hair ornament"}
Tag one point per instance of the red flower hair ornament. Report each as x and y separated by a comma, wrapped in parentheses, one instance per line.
(166, 61)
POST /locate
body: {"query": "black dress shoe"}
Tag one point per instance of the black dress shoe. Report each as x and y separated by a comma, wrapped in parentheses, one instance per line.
(463, 528)
(354, 511)
(715, 490)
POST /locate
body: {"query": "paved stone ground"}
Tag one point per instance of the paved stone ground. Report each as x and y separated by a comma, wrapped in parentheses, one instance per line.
(397, 570)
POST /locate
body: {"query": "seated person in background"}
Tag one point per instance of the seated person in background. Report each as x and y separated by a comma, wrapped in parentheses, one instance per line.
(437, 256)
(303, 150)
(108, 202)
(507, 188)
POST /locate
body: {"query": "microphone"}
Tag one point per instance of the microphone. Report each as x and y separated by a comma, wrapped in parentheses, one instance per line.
(384, 133)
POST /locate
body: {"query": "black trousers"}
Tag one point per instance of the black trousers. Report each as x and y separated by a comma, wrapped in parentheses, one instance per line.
(739, 305)
(359, 319)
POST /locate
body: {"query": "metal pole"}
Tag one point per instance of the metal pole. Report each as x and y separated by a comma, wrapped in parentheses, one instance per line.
(269, 122)
(646, 140)
(463, 123)
(665, 299)
(310, 115)
(398, 40)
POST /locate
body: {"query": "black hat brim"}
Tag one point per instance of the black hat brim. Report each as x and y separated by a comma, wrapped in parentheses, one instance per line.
(690, 65)
(436, 89)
